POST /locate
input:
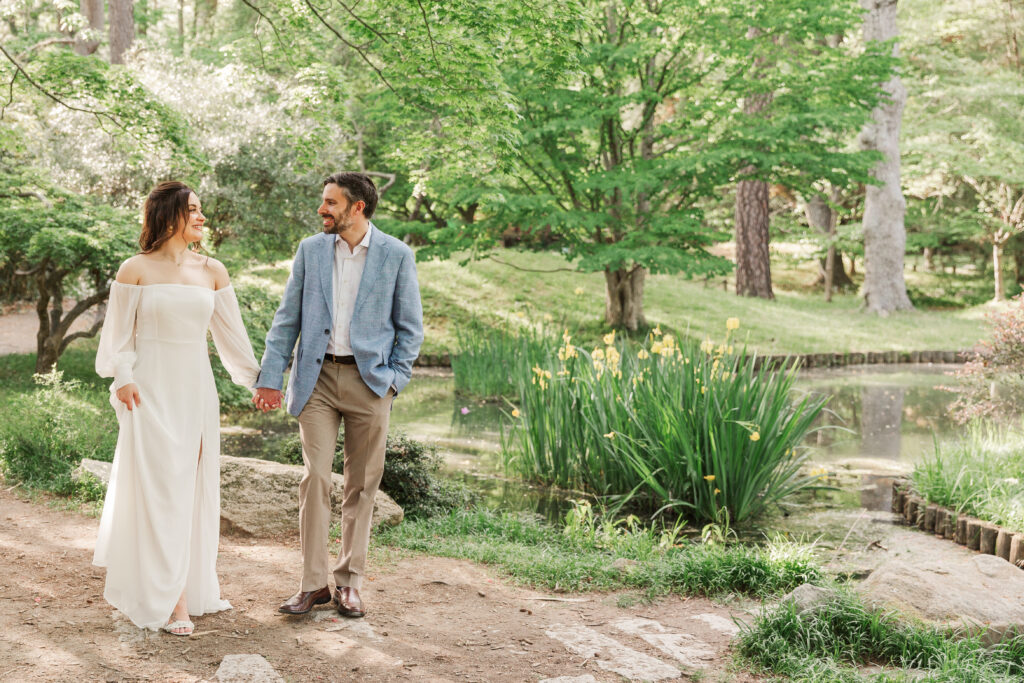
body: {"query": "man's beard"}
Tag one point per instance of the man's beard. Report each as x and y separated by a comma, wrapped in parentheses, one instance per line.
(337, 227)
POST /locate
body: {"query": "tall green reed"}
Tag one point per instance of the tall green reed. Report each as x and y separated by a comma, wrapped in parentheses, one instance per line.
(487, 356)
(696, 430)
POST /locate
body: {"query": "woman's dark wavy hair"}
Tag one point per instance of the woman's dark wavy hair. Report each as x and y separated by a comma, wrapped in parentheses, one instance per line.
(164, 214)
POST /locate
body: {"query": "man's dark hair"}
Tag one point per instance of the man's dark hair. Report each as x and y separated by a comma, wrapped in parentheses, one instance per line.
(356, 187)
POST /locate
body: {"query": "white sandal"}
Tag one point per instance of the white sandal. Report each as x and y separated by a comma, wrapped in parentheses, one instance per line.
(179, 624)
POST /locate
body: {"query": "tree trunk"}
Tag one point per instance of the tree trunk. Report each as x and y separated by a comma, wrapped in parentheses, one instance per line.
(92, 10)
(143, 11)
(55, 323)
(122, 29)
(821, 217)
(181, 24)
(997, 268)
(929, 259)
(753, 268)
(885, 235)
(624, 300)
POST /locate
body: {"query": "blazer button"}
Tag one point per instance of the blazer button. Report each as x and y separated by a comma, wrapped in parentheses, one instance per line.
(327, 331)
(318, 361)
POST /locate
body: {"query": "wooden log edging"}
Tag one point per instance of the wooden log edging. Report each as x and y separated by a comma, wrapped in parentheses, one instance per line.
(805, 360)
(975, 534)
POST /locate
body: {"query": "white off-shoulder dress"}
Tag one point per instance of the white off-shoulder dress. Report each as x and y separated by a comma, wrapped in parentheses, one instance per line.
(161, 517)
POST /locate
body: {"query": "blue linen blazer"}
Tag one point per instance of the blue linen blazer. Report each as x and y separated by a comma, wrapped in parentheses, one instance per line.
(387, 320)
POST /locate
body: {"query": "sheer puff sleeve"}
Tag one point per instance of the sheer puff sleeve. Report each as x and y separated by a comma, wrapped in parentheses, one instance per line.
(116, 354)
(232, 340)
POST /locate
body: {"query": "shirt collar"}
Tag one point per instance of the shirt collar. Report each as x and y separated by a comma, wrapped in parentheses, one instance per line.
(364, 243)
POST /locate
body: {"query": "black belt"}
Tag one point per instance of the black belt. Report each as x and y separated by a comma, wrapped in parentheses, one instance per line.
(343, 360)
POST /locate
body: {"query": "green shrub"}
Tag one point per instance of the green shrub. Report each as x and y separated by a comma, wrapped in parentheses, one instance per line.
(258, 308)
(46, 435)
(699, 431)
(411, 475)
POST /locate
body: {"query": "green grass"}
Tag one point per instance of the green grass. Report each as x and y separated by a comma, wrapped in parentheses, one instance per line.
(579, 557)
(980, 474)
(829, 643)
(797, 321)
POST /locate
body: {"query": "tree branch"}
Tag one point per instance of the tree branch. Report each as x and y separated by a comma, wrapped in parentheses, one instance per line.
(531, 270)
(281, 42)
(371, 29)
(20, 69)
(47, 43)
(430, 36)
(380, 174)
(91, 332)
(81, 307)
(352, 46)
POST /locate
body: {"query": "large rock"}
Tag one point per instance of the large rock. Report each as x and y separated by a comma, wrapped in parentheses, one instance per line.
(981, 591)
(809, 598)
(92, 468)
(261, 498)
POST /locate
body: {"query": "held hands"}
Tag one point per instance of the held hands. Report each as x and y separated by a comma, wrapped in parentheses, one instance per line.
(267, 399)
(129, 394)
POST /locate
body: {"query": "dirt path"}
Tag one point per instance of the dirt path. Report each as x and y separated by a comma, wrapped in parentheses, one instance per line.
(428, 619)
(19, 326)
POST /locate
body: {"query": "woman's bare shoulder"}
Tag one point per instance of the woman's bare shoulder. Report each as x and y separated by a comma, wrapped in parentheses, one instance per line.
(220, 272)
(130, 272)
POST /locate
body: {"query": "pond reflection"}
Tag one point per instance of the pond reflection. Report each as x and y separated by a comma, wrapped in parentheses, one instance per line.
(889, 413)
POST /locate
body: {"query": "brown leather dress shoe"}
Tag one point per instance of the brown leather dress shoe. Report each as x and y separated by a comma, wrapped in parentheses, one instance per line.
(303, 601)
(349, 604)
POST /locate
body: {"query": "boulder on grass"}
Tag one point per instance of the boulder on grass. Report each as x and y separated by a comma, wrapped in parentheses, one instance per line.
(978, 593)
(92, 468)
(261, 498)
(808, 598)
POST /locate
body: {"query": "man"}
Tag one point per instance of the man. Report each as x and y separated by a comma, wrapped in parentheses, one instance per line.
(353, 304)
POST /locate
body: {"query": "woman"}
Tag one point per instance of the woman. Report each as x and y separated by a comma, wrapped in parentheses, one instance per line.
(161, 518)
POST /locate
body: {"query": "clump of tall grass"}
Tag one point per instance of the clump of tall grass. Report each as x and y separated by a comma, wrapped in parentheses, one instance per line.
(487, 356)
(980, 474)
(822, 643)
(579, 555)
(698, 431)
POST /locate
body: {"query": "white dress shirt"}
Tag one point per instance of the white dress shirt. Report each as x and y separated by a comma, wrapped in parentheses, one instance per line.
(348, 271)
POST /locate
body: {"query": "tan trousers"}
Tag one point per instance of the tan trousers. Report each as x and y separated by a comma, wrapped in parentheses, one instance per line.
(340, 394)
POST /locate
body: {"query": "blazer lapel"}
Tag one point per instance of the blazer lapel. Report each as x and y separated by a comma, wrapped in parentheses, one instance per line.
(375, 257)
(326, 255)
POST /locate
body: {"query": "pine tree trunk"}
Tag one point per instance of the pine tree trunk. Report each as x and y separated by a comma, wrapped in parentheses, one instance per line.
(885, 235)
(624, 300)
(753, 268)
(122, 29)
(92, 10)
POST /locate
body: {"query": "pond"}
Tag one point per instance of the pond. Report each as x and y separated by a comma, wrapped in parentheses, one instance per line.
(882, 418)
